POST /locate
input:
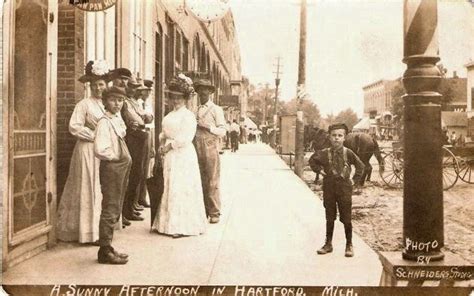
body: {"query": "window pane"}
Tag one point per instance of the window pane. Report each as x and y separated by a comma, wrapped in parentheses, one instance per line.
(100, 37)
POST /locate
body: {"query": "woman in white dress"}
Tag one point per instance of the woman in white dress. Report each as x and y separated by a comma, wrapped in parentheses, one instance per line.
(80, 204)
(181, 211)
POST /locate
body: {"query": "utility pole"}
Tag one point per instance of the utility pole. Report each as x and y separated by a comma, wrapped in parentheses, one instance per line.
(275, 108)
(265, 99)
(299, 153)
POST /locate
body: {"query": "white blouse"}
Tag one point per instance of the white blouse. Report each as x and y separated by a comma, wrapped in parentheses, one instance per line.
(179, 128)
(85, 117)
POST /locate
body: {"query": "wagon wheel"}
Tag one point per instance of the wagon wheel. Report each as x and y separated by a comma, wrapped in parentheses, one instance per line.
(392, 175)
(466, 170)
(450, 169)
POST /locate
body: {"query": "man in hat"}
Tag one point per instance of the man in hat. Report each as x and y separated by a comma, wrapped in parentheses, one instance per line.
(120, 77)
(137, 140)
(211, 127)
(143, 94)
(337, 184)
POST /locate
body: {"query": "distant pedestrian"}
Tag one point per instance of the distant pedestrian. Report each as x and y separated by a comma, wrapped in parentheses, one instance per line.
(337, 186)
(453, 138)
(234, 136)
(110, 148)
(227, 135)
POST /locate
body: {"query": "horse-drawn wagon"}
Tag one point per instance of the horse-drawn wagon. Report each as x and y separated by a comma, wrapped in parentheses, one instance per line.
(457, 163)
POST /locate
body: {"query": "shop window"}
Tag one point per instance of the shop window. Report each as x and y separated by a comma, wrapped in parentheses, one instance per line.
(185, 65)
(138, 19)
(100, 36)
(472, 98)
(179, 52)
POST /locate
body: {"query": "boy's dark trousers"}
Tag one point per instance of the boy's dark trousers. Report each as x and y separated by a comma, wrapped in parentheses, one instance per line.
(113, 179)
(337, 195)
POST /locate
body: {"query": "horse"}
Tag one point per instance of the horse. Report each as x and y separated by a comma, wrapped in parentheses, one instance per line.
(363, 145)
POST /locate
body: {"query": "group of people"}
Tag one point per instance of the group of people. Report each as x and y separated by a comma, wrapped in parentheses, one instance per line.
(114, 153)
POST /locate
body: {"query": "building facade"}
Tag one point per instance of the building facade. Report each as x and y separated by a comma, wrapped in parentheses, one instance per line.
(378, 97)
(47, 44)
(470, 100)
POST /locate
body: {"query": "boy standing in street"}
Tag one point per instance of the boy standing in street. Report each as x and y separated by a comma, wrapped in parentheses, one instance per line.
(337, 185)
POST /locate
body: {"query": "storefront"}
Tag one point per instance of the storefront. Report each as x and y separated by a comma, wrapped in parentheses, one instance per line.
(47, 44)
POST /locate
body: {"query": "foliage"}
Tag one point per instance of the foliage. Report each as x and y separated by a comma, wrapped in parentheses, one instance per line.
(349, 117)
(312, 116)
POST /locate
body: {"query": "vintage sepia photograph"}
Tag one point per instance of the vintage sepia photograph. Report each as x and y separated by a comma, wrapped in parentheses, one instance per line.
(237, 147)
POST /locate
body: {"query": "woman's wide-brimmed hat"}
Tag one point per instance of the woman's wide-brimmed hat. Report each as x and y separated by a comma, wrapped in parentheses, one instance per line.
(204, 83)
(180, 85)
(95, 70)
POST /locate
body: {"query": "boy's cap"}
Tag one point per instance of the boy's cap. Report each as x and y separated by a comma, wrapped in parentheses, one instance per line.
(338, 126)
(114, 91)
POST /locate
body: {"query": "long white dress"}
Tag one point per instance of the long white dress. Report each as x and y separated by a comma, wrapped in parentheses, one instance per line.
(181, 211)
(80, 205)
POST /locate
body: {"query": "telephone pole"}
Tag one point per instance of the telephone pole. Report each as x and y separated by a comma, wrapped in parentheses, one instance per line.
(299, 153)
(275, 108)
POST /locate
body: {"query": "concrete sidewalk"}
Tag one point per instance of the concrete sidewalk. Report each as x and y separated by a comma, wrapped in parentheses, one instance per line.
(271, 226)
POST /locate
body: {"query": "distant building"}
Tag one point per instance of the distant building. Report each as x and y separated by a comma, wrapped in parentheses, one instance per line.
(454, 122)
(454, 87)
(378, 97)
(470, 99)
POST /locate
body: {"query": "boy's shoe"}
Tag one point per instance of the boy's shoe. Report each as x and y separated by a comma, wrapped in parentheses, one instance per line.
(134, 218)
(349, 251)
(106, 255)
(144, 204)
(214, 220)
(121, 255)
(327, 248)
(125, 222)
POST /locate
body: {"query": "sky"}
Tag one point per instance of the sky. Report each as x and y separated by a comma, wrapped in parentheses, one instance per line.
(350, 44)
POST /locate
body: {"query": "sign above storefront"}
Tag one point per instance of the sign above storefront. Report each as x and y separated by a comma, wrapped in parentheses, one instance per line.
(93, 5)
(229, 101)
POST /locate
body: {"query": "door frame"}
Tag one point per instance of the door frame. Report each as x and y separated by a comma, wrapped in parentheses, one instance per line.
(36, 238)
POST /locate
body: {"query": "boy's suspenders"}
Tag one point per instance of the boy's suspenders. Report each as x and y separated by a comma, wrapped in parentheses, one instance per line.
(344, 157)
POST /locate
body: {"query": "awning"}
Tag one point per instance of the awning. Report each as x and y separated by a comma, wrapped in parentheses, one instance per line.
(249, 123)
(363, 124)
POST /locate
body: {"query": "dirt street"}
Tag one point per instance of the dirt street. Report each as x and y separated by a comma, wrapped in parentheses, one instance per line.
(378, 215)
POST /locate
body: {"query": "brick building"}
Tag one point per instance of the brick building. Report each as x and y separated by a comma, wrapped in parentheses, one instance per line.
(378, 97)
(470, 100)
(46, 46)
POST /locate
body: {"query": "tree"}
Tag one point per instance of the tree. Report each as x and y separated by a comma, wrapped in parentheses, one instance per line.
(397, 103)
(312, 116)
(348, 116)
(261, 103)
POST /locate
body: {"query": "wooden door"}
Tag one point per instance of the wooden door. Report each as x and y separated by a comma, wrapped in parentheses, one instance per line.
(31, 88)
